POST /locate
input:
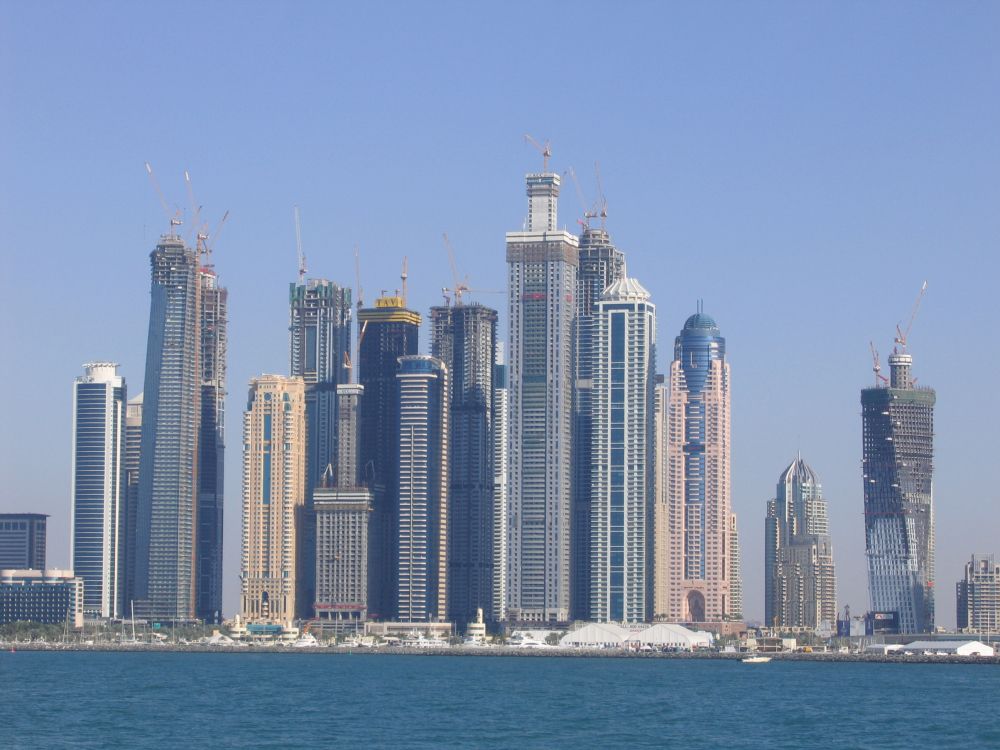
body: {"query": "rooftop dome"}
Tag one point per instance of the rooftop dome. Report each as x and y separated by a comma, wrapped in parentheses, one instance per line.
(799, 471)
(700, 321)
(625, 288)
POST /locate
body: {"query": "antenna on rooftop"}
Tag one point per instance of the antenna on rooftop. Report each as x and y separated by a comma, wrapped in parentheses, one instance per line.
(298, 248)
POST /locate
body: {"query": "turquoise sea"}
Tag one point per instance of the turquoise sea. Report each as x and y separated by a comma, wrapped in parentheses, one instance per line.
(294, 700)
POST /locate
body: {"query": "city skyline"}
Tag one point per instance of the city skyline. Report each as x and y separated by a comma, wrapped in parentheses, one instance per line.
(907, 157)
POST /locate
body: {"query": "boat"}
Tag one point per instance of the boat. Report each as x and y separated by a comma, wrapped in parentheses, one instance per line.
(756, 660)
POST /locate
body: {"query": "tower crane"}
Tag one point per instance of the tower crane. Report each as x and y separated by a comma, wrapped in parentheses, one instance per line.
(298, 248)
(877, 364)
(588, 214)
(459, 286)
(545, 150)
(600, 192)
(173, 218)
(903, 336)
(212, 238)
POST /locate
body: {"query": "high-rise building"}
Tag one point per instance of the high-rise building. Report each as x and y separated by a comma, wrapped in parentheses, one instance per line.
(22, 541)
(464, 338)
(702, 549)
(50, 597)
(213, 312)
(501, 417)
(386, 332)
(422, 486)
(622, 453)
(663, 522)
(542, 264)
(799, 580)
(342, 556)
(978, 596)
(98, 494)
(133, 446)
(319, 352)
(166, 523)
(274, 490)
(601, 263)
(897, 466)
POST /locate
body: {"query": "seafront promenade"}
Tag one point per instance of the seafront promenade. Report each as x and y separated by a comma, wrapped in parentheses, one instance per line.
(497, 651)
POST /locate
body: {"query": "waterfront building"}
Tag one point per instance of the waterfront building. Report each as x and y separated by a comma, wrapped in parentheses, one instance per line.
(702, 547)
(49, 597)
(213, 320)
(621, 454)
(501, 417)
(978, 596)
(166, 522)
(422, 486)
(22, 540)
(601, 264)
(342, 556)
(274, 490)
(542, 264)
(799, 579)
(386, 332)
(319, 353)
(133, 447)
(662, 521)
(97, 495)
(463, 337)
(897, 469)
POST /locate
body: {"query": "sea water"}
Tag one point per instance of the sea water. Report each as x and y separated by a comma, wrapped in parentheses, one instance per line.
(293, 700)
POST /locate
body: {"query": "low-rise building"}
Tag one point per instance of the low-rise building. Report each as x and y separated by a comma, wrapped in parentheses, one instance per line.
(49, 597)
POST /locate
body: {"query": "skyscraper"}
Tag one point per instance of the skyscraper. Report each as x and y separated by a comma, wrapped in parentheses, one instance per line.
(978, 596)
(274, 490)
(663, 522)
(346, 471)
(897, 466)
(464, 339)
(133, 446)
(799, 581)
(98, 494)
(342, 556)
(621, 455)
(213, 312)
(22, 541)
(702, 549)
(600, 265)
(386, 332)
(168, 469)
(501, 417)
(319, 351)
(542, 264)
(422, 484)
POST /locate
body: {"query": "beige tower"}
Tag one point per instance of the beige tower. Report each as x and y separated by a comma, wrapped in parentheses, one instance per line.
(701, 551)
(274, 484)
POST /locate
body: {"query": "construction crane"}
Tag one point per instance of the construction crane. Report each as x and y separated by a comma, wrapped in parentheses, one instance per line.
(903, 336)
(588, 214)
(173, 218)
(214, 236)
(459, 286)
(403, 276)
(600, 193)
(298, 247)
(877, 364)
(545, 151)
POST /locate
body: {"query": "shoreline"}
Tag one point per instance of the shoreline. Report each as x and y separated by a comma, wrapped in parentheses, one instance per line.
(14, 647)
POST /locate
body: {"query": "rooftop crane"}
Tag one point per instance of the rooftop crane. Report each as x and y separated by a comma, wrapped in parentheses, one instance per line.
(196, 225)
(459, 285)
(174, 218)
(403, 276)
(298, 248)
(903, 336)
(877, 364)
(214, 236)
(600, 192)
(544, 150)
(588, 214)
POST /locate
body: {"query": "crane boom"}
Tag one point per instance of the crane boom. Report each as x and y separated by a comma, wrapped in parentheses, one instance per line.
(173, 218)
(903, 336)
(545, 150)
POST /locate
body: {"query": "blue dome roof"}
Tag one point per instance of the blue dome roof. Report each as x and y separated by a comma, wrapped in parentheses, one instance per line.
(700, 321)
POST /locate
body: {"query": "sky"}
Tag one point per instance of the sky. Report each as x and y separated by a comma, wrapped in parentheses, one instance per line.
(801, 167)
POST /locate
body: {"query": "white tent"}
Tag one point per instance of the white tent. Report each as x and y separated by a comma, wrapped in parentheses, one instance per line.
(669, 635)
(596, 635)
(959, 648)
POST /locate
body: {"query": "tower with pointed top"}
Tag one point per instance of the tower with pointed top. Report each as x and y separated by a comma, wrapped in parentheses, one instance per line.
(898, 474)
(542, 263)
(799, 580)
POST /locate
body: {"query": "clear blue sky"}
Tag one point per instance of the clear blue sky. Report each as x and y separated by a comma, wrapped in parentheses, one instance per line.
(803, 167)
